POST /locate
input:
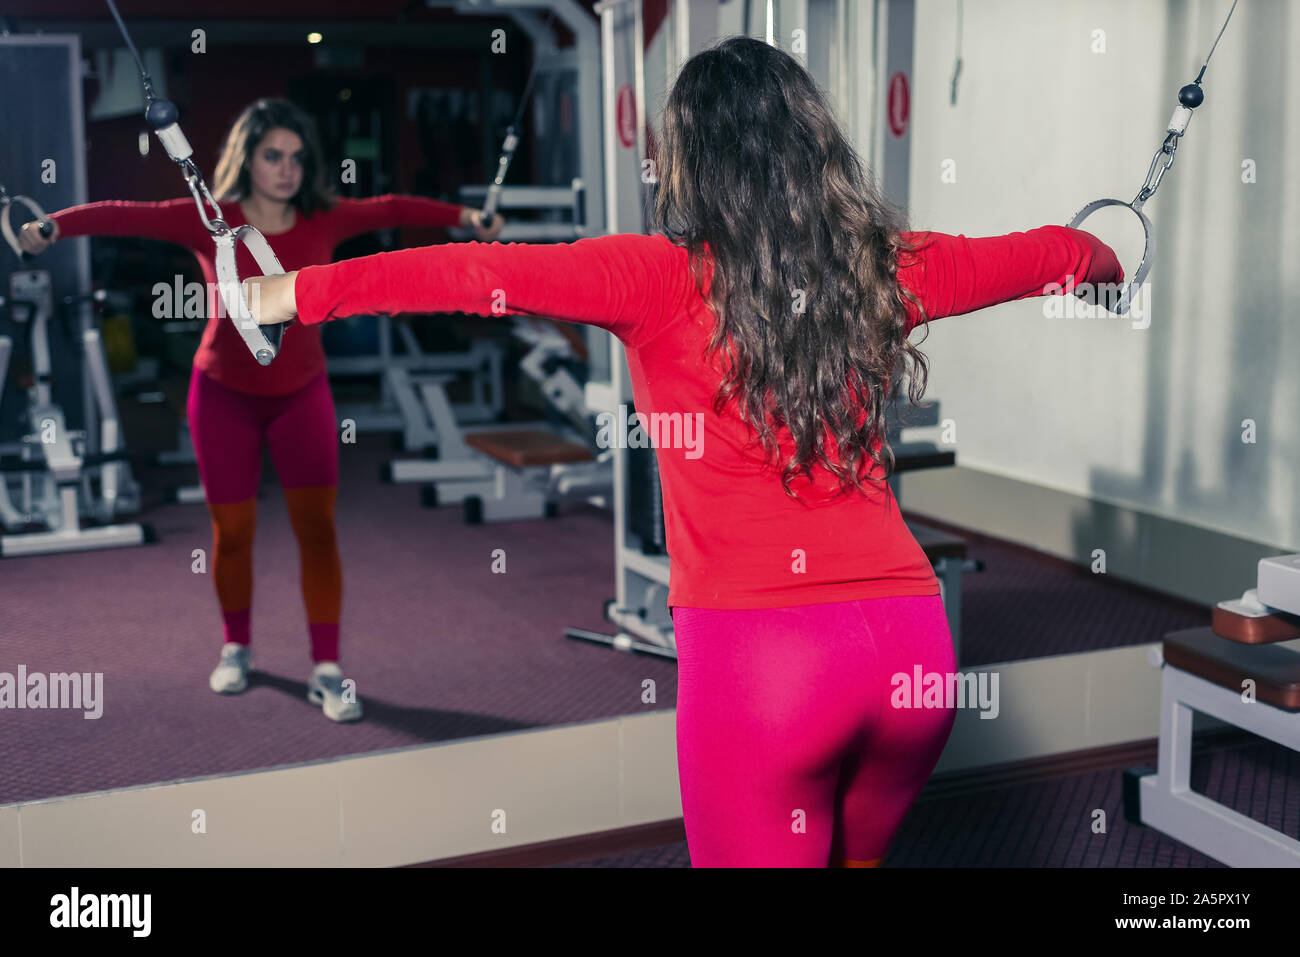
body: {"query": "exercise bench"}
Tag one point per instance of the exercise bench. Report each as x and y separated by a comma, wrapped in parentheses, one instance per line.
(531, 471)
(1252, 644)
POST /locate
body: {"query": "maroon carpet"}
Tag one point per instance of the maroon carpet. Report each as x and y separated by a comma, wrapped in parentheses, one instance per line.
(440, 647)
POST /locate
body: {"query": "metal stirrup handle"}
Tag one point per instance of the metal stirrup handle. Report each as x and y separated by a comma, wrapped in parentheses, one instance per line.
(1148, 251)
(262, 341)
(7, 229)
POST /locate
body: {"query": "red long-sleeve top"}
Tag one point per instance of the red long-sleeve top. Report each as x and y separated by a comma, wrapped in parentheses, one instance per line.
(735, 539)
(222, 353)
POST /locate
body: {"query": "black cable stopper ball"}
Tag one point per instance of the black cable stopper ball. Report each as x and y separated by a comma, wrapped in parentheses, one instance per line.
(161, 113)
(1191, 96)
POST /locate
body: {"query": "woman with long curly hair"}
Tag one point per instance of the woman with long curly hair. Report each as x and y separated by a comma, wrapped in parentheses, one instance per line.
(271, 175)
(777, 303)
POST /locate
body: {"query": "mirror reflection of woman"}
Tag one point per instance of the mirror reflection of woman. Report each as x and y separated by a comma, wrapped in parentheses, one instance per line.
(270, 175)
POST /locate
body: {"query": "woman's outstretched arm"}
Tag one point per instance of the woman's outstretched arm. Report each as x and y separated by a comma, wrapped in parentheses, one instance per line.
(952, 275)
(631, 285)
(357, 216)
(174, 221)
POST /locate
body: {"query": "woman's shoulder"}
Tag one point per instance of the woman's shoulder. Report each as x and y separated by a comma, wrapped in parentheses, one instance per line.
(646, 244)
(639, 251)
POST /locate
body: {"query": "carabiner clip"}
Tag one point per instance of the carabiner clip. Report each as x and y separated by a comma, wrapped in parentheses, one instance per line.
(1148, 251)
(262, 341)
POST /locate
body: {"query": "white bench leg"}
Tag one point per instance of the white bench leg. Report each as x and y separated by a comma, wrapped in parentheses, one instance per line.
(518, 494)
(1167, 801)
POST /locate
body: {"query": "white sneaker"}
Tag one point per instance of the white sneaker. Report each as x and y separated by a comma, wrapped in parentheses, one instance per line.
(231, 674)
(325, 688)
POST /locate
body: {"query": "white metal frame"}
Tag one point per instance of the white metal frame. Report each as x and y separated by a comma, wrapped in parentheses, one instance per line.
(587, 44)
(461, 472)
(1168, 803)
(639, 576)
(481, 362)
(458, 472)
(55, 496)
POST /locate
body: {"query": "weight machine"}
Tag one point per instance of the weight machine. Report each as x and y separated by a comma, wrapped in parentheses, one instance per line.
(57, 478)
(62, 455)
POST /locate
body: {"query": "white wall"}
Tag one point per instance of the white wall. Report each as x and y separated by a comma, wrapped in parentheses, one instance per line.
(1145, 418)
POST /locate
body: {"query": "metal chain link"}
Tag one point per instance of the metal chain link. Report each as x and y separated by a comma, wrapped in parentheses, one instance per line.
(199, 190)
(1157, 169)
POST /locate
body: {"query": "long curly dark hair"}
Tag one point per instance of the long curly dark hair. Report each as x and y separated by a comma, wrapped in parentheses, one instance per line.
(800, 252)
(233, 181)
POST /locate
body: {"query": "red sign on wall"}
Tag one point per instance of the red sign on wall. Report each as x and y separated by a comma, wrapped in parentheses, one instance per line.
(626, 115)
(899, 104)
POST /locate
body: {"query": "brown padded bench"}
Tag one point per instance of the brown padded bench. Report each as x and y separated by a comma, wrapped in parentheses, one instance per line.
(527, 447)
(1252, 629)
(1275, 671)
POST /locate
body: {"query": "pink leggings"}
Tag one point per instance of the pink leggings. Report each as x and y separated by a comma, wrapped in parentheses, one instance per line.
(229, 430)
(789, 751)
